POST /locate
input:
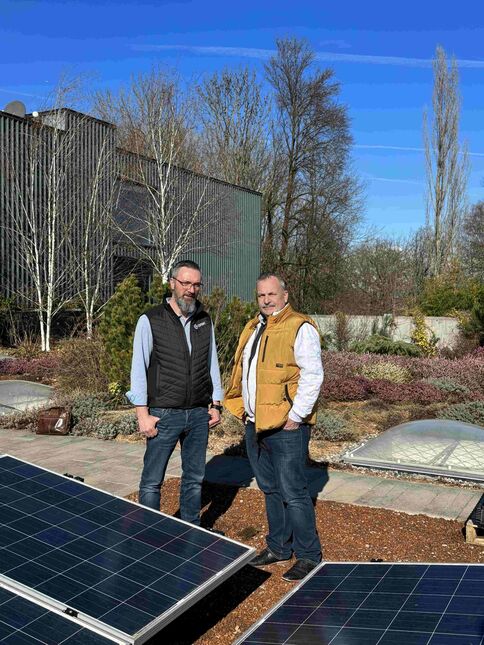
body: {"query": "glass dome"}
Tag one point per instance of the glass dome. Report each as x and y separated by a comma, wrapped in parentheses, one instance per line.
(431, 446)
(20, 395)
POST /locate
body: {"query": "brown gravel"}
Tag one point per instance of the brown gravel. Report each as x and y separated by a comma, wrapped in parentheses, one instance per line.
(347, 532)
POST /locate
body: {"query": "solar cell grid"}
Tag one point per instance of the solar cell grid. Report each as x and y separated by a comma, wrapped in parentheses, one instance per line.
(24, 622)
(113, 561)
(379, 604)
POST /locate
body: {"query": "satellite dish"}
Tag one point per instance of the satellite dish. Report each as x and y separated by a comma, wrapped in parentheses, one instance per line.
(17, 108)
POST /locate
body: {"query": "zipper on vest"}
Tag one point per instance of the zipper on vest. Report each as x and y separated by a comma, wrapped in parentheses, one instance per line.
(286, 389)
(264, 350)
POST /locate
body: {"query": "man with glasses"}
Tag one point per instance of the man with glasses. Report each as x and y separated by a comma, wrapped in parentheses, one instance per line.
(176, 388)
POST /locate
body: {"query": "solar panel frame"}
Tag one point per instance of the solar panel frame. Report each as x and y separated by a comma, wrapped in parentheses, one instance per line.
(354, 604)
(60, 544)
(41, 612)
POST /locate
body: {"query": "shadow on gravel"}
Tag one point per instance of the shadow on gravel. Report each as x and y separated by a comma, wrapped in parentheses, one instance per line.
(211, 609)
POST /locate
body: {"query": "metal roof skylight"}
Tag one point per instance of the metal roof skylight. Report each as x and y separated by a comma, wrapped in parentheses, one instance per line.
(431, 446)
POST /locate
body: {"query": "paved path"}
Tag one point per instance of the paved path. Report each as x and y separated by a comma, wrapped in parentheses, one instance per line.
(115, 467)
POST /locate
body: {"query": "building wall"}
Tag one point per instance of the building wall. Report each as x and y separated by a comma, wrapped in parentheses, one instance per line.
(47, 175)
(227, 247)
(445, 328)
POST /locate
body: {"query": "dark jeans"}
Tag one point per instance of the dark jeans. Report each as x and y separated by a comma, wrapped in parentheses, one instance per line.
(278, 459)
(191, 428)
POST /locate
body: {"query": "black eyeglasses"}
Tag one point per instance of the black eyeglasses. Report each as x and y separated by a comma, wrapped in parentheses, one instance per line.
(189, 285)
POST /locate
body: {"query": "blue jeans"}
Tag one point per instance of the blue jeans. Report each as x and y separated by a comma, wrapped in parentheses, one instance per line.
(278, 459)
(191, 428)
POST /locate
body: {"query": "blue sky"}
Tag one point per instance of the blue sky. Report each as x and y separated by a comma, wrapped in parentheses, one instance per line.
(381, 54)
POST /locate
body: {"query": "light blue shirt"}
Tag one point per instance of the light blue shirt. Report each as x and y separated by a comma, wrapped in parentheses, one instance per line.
(142, 348)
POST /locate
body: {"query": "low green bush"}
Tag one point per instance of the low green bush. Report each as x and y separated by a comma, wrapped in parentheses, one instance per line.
(381, 345)
(388, 372)
(88, 406)
(94, 427)
(331, 427)
(448, 385)
(472, 412)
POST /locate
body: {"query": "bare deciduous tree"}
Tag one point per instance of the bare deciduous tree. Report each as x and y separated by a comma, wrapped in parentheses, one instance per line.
(41, 209)
(92, 251)
(472, 241)
(165, 211)
(320, 199)
(235, 116)
(446, 163)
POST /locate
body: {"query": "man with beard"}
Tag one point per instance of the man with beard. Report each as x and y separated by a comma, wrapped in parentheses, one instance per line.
(175, 376)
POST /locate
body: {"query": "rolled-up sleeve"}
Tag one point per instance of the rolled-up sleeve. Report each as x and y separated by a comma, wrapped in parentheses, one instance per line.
(142, 348)
(307, 353)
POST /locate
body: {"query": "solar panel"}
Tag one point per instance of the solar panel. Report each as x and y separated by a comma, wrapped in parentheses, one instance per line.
(23, 622)
(114, 565)
(384, 604)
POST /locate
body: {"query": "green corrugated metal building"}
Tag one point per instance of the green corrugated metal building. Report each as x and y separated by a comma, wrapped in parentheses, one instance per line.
(227, 250)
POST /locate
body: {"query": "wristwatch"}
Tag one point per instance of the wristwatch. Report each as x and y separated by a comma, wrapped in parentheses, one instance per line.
(220, 408)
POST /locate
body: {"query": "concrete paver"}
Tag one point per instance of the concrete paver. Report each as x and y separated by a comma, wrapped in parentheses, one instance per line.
(116, 466)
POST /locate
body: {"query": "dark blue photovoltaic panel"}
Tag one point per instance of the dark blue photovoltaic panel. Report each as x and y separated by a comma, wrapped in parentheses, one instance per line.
(121, 564)
(384, 604)
(22, 621)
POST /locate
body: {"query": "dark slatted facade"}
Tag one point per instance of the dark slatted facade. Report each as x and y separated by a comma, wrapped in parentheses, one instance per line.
(226, 242)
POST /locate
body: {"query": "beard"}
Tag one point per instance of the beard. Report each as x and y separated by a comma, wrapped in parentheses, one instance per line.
(186, 308)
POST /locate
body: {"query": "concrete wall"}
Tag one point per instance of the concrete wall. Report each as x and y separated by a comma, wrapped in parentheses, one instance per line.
(445, 328)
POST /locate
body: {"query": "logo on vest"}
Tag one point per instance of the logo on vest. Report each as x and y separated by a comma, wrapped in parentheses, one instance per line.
(201, 324)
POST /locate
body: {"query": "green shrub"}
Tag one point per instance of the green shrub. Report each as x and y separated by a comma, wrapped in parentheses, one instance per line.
(88, 406)
(94, 427)
(157, 291)
(229, 319)
(331, 427)
(387, 372)
(452, 290)
(127, 425)
(117, 330)
(448, 385)
(473, 326)
(472, 412)
(422, 336)
(381, 345)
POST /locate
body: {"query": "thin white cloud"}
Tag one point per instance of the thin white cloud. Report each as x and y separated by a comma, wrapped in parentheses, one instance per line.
(393, 180)
(250, 52)
(405, 149)
(17, 93)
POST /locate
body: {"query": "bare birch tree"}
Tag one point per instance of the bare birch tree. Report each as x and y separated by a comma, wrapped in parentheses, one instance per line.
(40, 211)
(446, 163)
(164, 211)
(92, 249)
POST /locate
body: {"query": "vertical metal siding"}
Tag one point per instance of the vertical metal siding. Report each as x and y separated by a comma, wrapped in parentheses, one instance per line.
(228, 249)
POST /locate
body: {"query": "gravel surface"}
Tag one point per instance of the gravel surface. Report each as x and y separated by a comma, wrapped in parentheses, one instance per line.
(348, 533)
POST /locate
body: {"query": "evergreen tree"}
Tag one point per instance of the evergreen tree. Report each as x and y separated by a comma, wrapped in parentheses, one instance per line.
(117, 330)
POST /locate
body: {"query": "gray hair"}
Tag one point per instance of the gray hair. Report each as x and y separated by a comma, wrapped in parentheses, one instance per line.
(189, 264)
(265, 276)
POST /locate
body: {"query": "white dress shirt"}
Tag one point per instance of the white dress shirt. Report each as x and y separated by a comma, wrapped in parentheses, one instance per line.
(307, 354)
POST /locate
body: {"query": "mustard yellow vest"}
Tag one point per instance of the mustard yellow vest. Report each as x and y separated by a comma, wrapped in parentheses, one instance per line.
(277, 374)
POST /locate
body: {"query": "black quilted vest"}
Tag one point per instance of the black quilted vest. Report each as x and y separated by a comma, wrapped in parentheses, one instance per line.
(176, 377)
